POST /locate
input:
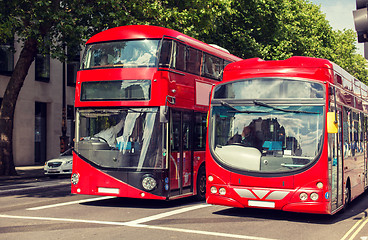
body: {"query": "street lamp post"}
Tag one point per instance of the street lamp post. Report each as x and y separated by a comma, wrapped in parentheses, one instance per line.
(64, 139)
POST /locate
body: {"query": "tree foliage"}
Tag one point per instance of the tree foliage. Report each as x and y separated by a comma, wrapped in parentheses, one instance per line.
(57, 27)
(279, 29)
(269, 29)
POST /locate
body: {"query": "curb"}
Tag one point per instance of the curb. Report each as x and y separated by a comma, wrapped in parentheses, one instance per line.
(26, 172)
(26, 190)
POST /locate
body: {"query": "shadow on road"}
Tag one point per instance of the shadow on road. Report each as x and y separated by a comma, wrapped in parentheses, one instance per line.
(142, 203)
(357, 207)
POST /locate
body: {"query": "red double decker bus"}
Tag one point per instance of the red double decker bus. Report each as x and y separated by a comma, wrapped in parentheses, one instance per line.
(142, 94)
(288, 135)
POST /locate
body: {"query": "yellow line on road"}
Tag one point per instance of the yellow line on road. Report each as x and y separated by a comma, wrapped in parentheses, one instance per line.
(358, 226)
(358, 230)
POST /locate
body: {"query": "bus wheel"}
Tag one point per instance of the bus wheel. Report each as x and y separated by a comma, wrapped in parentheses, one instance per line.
(347, 195)
(201, 184)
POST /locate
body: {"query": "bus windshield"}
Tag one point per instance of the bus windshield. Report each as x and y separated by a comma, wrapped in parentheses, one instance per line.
(266, 138)
(124, 138)
(122, 54)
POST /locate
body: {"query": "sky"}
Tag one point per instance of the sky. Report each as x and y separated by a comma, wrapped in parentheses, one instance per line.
(340, 15)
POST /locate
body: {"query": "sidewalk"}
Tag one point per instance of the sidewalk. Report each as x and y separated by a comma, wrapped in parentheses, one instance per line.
(26, 172)
(30, 179)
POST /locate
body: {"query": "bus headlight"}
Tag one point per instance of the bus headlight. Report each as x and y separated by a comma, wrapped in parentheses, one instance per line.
(320, 185)
(303, 196)
(213, 190)
(149, 183)
(222, 191)
(75, 178)
(314, 196)
(210, 178)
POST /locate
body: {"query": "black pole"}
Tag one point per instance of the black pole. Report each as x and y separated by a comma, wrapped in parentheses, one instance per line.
(63, 137)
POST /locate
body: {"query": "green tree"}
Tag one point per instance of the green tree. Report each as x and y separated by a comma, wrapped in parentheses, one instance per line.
(273, 29)
(279, 29)
(346, 56)
(51, 26)
(47, 26)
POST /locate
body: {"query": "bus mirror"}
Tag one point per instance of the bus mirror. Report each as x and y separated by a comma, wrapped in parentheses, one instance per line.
(332, 126)
(163, 114)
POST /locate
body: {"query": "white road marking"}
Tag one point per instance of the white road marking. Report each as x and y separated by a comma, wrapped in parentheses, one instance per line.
(130, 224)
(63, 220)
(361, 223)
(70, 203)
(358, 230)
(166, 214)
(217, 234)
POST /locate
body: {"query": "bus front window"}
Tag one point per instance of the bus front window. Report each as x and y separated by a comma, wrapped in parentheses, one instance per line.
(259, 138)
(130, 138)
(123, 54)
(267, 124)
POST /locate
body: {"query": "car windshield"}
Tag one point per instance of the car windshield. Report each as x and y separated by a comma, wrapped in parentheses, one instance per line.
(122, 54)
(266, 138)
(124, 138)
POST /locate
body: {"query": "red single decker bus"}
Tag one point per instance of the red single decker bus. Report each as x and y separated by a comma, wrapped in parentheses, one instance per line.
(142, 94)
(288, 135)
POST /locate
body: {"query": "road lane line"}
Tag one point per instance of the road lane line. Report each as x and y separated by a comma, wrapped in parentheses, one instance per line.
(129, 224)
(217, 234)
(70, 203)
(63, 220)
(353, 228)
(167, 214)
(358, 230)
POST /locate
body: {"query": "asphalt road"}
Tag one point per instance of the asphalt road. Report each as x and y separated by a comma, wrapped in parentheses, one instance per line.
(53, 213)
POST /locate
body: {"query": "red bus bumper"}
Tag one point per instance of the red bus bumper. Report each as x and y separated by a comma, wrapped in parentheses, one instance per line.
(92, 181)
(278, 199)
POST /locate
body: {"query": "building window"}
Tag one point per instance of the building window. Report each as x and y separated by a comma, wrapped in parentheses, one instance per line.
(6, 58)
(72, 69)
(42, 68)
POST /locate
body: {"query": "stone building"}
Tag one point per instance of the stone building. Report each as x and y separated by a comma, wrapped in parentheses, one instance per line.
(38, 120)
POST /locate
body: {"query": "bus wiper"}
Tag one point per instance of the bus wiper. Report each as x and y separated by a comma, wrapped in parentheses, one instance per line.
(262, 104)
(225, 104)
(137, 110)
(290, 165)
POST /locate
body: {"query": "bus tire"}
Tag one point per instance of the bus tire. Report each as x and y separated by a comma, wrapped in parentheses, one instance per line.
(347, 195)
(201, 184)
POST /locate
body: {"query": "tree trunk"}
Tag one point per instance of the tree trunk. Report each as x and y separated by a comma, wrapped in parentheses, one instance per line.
(7, 109)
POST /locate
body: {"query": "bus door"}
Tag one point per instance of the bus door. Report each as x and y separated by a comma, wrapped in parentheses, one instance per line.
(335, 156)
(181, 169)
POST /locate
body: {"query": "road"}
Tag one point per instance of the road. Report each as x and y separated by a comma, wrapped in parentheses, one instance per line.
(53, 213)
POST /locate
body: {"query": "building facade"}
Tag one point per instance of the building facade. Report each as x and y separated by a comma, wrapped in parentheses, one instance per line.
(38, 120)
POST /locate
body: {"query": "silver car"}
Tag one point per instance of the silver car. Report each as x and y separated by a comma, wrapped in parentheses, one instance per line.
(61, 165)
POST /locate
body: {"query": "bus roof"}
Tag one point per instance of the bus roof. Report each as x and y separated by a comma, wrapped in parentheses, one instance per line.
(293, 62)
(313, 68)
(147, 31)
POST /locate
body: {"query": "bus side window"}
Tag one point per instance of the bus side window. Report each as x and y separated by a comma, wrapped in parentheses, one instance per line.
(212, 66)
(193, 60)
(165, 56)
(346, 131)
(179, 57)
(200, 132)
